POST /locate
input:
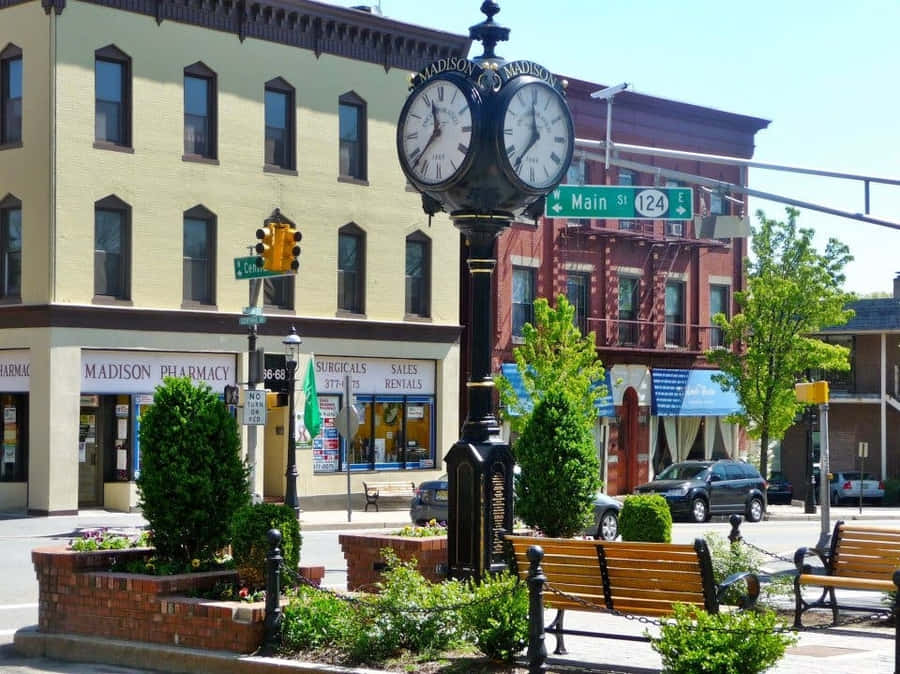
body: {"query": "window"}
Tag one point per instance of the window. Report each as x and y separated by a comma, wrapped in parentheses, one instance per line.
(418, 275)
(718, 304)
(578, 292)
(14, 457)
(352, 122)
(112, 86)
(199, 112)
(522, 299)
(351, 269)
(674, 314)
(10, 248)
(280, 125)
(10, 95)
(395, 433)
(278, 292)
(198, 275)
(112, 247)
(628, 310)
(629, 179)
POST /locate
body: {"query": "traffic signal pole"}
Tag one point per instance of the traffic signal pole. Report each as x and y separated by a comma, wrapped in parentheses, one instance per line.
(253, 383)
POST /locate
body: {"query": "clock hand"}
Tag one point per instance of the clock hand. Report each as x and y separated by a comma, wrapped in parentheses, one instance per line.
(434, 134)
(535, 136)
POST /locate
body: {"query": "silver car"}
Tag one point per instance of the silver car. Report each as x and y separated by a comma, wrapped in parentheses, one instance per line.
(846, 486)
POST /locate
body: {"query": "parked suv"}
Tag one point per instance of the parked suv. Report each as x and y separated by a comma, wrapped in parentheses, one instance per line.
(699, 489)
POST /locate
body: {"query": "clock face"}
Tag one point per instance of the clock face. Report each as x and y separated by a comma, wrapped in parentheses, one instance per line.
(537, 135)
(435, 132)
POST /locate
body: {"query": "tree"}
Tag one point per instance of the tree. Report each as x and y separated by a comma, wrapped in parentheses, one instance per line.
(793, 292)
(192, 478)
(554, 354)
(555, 490)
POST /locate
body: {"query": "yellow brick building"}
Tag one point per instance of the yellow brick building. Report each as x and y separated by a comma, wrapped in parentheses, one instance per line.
(141, 145)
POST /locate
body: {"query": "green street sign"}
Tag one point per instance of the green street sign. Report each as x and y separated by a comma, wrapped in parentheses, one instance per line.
(617, 201)
(245, 268)
(252, 319)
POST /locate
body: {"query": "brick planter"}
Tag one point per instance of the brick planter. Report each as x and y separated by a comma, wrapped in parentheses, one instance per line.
(78, 596)
(364, 561)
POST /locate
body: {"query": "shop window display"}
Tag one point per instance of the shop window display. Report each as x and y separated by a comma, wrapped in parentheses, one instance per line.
(14, 451)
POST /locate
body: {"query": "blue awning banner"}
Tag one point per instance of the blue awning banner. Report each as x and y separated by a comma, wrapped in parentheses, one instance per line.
(604, 404)
(691, 393)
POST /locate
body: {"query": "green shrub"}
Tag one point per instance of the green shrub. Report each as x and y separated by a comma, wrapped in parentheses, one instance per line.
(728, 559)
(192, 478)
(555, 491)
(314, 619)
(410, 612)
(745, 642)
(646, 517)
(496, 618)
(891, 492)
(250, 543)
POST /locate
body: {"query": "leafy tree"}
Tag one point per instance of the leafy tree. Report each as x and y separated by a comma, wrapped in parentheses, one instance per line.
(793, 291)
(555, 490)
(555, 354)
(192, 478)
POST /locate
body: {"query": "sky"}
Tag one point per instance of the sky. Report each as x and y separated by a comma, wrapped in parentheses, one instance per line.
(825, 73)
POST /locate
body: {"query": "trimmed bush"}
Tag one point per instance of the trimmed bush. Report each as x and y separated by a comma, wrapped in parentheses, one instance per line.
(250, 543)
(192, 478)
(745, 642)
(497, 616)
(646, 517)
(555, 491)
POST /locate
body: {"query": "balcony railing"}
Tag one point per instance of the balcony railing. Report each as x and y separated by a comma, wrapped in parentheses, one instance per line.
(613, 332)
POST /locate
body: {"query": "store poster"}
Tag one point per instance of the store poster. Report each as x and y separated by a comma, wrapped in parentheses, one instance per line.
(326, 446)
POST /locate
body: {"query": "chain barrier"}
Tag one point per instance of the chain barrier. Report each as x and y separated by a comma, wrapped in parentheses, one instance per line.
(592, 606)
(301, 580)
(765, 552)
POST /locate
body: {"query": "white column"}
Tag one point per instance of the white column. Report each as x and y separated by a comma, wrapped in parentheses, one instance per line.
(883, 406)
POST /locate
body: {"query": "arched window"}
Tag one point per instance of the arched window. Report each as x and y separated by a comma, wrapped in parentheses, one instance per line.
(418, 275)
(199, 267)
(10, 248)
(351, 269)
(112, 249)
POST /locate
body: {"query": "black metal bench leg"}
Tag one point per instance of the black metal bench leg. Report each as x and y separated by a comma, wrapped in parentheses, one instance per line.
(556, 628)
(798, 604)
(834, 606)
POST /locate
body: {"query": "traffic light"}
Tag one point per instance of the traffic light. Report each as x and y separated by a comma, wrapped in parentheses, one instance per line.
(290, 249)
(265, 249)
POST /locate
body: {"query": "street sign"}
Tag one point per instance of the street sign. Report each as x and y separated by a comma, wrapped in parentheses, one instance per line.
(347, 422)
(252, 319)
(619, 201)
(255, 407)
(245, 268)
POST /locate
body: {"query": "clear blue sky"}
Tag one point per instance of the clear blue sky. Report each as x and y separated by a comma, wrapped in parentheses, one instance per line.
(825, 73)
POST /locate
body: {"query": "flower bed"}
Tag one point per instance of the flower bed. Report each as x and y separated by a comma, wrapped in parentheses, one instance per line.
(77, 595)
(362, 553)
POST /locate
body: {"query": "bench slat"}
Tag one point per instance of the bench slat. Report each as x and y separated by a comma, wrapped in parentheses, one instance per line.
(846, 582)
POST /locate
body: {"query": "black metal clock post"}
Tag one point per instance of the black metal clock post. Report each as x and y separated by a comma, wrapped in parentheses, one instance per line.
(484, 140)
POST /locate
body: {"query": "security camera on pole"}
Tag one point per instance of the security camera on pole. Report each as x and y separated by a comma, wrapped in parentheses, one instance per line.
(484, 140)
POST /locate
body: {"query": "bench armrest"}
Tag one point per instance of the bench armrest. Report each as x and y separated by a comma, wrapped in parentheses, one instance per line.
(751, 580)
(800, 560)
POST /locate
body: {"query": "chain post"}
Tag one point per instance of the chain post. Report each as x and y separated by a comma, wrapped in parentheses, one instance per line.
(735, 535)
(537, 649)
(273, 594)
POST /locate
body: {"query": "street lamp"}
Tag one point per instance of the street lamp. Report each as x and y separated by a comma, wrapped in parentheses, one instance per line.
(291, 352)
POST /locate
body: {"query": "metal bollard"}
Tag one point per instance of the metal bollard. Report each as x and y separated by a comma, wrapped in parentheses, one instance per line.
(537, 650)
(274, 560)
(735, 535)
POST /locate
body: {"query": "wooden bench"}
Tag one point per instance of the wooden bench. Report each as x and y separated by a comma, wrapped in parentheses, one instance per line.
(385, 490)
(632, 578)
(860, 558)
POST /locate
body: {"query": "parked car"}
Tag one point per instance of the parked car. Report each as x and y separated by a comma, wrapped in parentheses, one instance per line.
(846, 485)
(699, 489)
(780, 489)
(431, 503)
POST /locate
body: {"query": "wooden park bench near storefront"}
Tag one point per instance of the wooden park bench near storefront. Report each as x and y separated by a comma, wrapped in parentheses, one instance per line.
(630, 578)
(860, 558)
(387, 490)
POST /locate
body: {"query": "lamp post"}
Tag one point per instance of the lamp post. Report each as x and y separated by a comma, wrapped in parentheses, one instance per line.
(291, 352)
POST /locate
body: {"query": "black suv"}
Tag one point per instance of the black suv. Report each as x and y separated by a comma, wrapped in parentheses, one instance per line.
(699, 489)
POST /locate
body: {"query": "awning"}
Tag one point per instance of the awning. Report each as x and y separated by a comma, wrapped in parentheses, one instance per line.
(691, 393)
(603, 404)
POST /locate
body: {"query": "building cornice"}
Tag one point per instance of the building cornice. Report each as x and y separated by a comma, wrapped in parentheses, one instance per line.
(210, 322)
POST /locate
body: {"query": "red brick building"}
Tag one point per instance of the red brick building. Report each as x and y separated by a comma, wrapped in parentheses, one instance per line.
(647, 288)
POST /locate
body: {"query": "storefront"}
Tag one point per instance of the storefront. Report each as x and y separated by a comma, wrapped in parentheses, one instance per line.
(14, 398)
(115, 387)
(395, 399)
(688, 422)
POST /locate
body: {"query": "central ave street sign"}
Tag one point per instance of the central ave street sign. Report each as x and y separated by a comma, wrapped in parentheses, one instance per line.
(254, 407)
(245, 267)
(618, 201)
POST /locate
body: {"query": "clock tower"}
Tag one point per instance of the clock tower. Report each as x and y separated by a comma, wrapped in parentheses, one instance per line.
(483, 140)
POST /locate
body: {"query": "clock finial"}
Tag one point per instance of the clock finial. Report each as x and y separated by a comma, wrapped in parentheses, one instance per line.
(488, 32)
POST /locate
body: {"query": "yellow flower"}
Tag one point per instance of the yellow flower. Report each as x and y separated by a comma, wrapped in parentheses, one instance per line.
(195, 563)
